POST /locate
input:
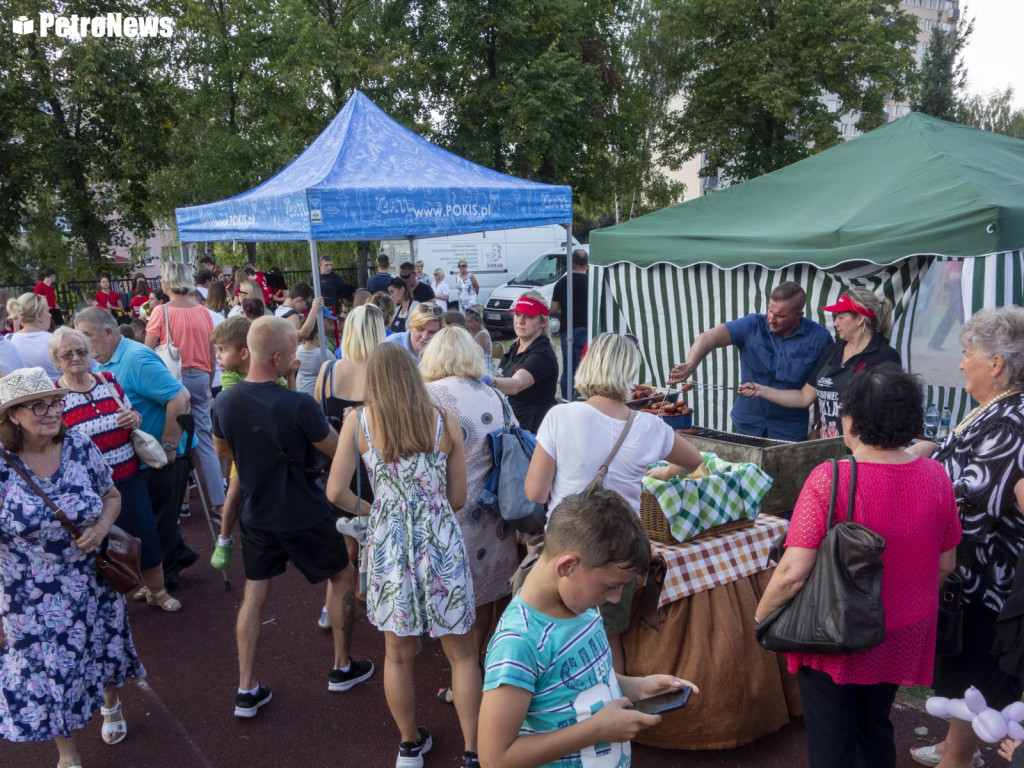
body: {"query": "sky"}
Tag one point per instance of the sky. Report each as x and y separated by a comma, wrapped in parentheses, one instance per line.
(992, 55)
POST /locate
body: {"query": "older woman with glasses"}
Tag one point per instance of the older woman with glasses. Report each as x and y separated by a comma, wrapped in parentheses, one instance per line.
(424, 322)
(97, 406)
(65, 644)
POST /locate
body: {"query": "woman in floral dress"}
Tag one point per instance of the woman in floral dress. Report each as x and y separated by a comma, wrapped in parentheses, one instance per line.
(65, 646)
(420, 580)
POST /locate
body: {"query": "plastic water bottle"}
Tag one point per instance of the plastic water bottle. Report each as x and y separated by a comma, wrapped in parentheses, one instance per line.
(931, 421)
(944, 424)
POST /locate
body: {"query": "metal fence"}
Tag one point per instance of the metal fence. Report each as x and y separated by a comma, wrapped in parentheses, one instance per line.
(74, 294)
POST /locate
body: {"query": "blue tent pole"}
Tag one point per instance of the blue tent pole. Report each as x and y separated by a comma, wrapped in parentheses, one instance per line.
(315, 261)
(567, 316)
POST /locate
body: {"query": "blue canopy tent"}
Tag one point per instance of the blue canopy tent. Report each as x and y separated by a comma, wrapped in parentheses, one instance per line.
(366, 177)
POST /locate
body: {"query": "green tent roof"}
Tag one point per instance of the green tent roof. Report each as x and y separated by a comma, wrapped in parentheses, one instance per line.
(917, 185)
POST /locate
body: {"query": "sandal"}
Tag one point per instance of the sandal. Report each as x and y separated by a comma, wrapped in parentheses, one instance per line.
(113, 731)
(139, 594)
(162, 600)
(443, 695)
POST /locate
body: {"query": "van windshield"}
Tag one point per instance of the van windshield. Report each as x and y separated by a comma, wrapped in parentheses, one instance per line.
(543, 271)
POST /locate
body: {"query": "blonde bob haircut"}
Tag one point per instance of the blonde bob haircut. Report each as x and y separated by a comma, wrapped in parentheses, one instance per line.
(403, 416)
(178, 278)
(26, 307)
(364, 331)
(609, 368)
(452, 352)
(423, 313)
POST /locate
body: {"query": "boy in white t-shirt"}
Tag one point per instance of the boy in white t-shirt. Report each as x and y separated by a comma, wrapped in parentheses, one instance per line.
(550, 693)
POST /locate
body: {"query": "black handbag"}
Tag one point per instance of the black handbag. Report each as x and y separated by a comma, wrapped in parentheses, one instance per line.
(839, 609)
(949, 635)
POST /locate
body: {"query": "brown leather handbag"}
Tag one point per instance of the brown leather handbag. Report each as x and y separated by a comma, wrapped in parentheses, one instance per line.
(117, 558)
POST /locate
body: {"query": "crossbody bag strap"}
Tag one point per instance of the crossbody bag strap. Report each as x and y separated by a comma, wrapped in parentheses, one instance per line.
(167, 326)
(598, 480)
(279, 453)
(110, 389)
(40, 492)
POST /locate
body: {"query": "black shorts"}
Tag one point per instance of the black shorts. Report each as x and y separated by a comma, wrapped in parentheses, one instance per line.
(318, 552)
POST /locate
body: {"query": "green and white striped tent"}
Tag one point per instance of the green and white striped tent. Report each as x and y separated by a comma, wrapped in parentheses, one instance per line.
(880, 211)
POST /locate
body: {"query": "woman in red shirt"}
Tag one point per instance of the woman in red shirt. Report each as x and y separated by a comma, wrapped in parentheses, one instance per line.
(909, 501)
(141, 296)
(106, 298)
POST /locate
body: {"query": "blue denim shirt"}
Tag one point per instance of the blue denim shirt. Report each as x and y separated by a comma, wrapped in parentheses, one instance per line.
(767, 359)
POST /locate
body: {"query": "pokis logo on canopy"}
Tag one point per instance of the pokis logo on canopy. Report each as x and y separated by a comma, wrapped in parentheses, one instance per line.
(108, 25)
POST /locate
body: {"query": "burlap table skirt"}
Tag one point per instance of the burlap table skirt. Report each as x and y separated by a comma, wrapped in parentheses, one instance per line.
(708, 638)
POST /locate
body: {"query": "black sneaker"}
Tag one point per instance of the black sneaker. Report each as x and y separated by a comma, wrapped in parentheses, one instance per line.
(357, 672)
(470, 760)
(246, 704)
(410, 753)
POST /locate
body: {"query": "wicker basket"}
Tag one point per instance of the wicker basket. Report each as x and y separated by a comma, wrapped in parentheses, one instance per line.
(657, 526)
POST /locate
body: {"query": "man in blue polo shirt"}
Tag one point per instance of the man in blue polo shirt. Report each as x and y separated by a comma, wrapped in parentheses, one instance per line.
(160, 399)
(778, 349)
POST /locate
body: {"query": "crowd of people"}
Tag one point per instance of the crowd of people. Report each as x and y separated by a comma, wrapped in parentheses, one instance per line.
(363, 468)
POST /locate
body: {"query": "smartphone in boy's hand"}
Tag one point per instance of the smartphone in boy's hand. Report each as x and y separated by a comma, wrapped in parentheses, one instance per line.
(664, 702)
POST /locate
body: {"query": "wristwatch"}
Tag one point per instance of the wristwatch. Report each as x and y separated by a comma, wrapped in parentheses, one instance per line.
(170, 447)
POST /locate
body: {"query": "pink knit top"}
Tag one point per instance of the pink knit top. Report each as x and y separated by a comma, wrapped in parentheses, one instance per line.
(912, 507)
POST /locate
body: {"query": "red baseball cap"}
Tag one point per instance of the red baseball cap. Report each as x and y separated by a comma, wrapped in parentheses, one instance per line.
(846, 304)
(528, 306)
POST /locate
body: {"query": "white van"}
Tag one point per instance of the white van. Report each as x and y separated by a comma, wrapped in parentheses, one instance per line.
(493, 256)
(540, 275)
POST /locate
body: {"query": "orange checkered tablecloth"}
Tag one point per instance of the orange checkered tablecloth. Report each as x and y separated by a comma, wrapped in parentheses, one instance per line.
(697, 566)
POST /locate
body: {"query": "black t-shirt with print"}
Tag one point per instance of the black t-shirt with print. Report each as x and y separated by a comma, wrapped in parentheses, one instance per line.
(539, 360)
(832, 375)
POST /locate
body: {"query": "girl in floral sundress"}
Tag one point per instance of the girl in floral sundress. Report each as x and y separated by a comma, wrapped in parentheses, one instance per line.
(419, 577)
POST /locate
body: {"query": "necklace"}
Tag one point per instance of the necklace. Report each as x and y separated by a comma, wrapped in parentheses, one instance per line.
(973, 415)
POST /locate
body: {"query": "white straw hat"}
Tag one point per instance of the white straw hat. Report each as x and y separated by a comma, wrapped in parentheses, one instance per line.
(25, 385)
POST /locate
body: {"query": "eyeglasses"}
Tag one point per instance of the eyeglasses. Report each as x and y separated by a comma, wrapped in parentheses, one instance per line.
(73, 353)
(463, 265)
(40, 408)
(405, 276)
(473, 313)
(430, 309)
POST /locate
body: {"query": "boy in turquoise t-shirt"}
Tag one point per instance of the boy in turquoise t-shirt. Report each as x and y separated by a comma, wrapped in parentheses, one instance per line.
(551, 696)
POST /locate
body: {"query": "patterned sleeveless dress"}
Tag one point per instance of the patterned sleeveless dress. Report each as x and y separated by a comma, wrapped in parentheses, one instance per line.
(419, 573)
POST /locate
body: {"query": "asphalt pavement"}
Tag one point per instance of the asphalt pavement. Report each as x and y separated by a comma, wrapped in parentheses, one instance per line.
(182, 713)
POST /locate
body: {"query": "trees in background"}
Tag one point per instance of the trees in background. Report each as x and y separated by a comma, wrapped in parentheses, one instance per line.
(99, 137)
(755, 74)
(84, 126)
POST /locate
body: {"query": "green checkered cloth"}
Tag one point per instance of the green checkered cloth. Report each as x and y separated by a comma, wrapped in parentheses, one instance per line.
(731, 492)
